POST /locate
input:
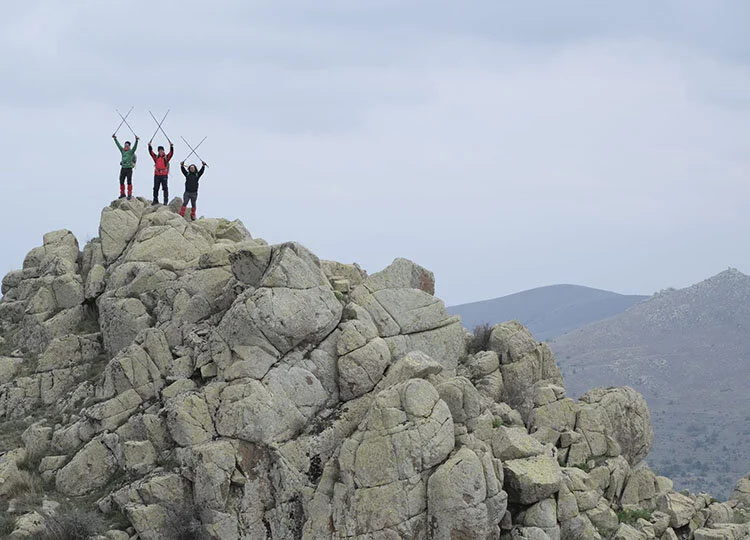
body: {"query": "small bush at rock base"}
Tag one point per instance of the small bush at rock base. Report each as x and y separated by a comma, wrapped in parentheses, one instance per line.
(72, 523)
(631, 516)
(7, 524)
(184, 523)
(28, 493)
(480, 338)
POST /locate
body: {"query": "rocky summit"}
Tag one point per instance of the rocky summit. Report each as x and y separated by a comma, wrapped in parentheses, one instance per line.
(181, 379)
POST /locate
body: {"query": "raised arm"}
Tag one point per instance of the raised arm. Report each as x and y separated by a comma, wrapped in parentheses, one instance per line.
(171, 152)
(151, 151)
(119, 147)
(135, 146)
(182, 168)
(203, 168)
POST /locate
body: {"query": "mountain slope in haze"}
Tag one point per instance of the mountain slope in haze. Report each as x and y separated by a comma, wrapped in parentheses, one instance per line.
(688, 352)
(548, 312)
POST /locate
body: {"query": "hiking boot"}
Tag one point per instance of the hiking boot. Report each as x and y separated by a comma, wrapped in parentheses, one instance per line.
(122, 196)
(154, 202)
(182, 211)
(130, 197)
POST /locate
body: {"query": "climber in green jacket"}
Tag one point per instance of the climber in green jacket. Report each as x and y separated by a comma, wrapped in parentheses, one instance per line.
(127, 162)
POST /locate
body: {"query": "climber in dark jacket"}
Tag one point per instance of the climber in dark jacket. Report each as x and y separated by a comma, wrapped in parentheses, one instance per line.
(161, 171)
(192, 176)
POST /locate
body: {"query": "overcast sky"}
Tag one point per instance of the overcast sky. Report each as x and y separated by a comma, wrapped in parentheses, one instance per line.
(503, 145)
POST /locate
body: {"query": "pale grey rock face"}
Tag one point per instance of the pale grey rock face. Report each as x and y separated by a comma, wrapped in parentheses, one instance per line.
(543, 515)
(250, 411)
(205, 383)
(138, 457)
(741, 492)
(402, 274)
(414, 365)
(44, 299)
(511, 341)
(407, 432)
(121, 320)
(456, 495)
(249, 264)
(189, 420)
(119, 224)
(10, 475)
(361, 369)
(626, 419)
(28, 526)
(293, 266)
(640, 490)
(524, 364)
(626, 532)
(464, 401)
(8, 368)
(292, 317)
(678, 507)
(110, 414)
(726, 532)
(90, 468)
(579, 528)
(514, 443)
(532, 479)
(604, 518)
(132, 368)
(400, 303)
(351, 273)
(529, 533)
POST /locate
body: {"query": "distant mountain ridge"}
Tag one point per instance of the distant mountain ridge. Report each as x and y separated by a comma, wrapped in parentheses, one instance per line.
(549, 311)
(688, 352)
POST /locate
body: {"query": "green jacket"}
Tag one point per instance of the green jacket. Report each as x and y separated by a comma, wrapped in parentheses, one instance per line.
(128, 156)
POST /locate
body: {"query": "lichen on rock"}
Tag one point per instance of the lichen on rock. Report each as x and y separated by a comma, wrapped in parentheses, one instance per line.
(194, 380)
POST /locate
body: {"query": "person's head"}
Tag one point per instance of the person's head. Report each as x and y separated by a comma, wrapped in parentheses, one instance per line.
(192, 168)
(160, 150)
(126, 146)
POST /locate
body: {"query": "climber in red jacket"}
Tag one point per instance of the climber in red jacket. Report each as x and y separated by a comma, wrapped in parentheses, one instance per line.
(161, 171)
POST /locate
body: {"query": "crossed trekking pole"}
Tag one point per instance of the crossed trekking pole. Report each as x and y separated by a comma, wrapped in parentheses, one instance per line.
(159, 127)
(193, 150)
(125, 121)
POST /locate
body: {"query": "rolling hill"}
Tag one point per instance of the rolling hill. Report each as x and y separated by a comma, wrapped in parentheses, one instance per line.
(550, 311)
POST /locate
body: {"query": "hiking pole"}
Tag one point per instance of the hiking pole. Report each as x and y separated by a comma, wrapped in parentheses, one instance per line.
(194, 149)
(158, 127)
(123, 119)
(126, 123)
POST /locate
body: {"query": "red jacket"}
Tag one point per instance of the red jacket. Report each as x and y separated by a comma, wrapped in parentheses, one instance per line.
(161, 164)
